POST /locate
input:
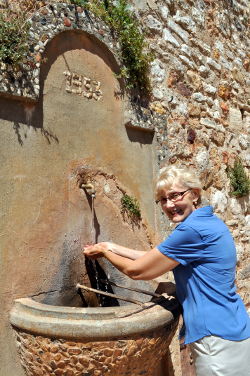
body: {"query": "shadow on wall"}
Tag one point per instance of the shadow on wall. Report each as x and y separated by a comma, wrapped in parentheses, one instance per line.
(21, 110)
(73, 268)
(28, 113)
(136, 135)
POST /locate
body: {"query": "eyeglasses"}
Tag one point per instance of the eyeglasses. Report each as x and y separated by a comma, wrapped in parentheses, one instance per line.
(173, 197)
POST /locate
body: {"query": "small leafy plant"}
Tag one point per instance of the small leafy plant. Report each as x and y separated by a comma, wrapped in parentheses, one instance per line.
(132, 42)
(127, 31)
(239, 180)
(13, 38)
(130, 205)
(81, 3)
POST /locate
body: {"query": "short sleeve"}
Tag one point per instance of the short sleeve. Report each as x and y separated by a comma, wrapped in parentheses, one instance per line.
(184, 245)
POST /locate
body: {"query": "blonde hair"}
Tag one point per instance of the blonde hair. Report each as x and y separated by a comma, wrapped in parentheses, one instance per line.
(171, 174)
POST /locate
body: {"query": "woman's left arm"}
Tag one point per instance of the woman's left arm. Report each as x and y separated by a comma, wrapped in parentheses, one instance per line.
(151, 265)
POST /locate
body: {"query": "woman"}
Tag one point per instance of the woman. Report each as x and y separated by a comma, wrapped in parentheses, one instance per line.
(202, 255)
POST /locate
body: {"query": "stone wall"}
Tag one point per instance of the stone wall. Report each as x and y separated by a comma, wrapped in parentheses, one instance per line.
(200, 112)
(201, 81)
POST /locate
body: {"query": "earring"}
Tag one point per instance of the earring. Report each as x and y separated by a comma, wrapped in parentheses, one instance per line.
(195, 204)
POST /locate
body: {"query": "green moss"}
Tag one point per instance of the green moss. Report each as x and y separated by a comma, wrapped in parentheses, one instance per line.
(13, 38)
(239, 180)
(81, 3)
(130, 205)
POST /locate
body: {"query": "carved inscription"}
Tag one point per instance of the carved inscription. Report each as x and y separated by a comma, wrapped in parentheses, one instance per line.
(83, 86)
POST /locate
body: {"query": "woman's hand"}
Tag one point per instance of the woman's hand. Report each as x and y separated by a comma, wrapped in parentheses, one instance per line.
(97, 250)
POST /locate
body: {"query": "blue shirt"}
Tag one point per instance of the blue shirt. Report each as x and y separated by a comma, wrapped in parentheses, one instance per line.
(205, 277)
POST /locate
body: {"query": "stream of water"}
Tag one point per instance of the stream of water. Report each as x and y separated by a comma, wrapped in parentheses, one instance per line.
(96, 273)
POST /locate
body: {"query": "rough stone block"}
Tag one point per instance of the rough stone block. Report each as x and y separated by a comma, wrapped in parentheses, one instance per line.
(164, 12)
(219, 201)
(202, 159)
(157, 71)
(203, 47)
(198, 16)
(244, 141)
(183, 89)
(198, 97)
(186, 50)
(186, 61)
(186, 22)
(211, 124)
(218, 138)
(225, 63)
(209, 89)
(212, 63)
(194, 110)
(178, 30)
(153, 24)
(168, 37)
(235, 118)
(224, 91)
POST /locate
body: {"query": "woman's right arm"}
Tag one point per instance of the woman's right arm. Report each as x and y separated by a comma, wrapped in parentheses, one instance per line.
(151, 265)
(131, 254)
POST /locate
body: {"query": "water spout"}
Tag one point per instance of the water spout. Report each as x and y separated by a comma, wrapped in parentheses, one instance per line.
(89, 188)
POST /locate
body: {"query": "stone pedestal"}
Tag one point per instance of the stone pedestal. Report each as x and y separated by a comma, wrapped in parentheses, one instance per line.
(65, 341)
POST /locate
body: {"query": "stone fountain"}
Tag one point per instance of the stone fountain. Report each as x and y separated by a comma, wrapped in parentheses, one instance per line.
(52, 142)
(65, 341)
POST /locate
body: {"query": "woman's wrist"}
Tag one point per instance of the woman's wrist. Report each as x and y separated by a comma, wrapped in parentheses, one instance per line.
(105, 252)
(111, 247)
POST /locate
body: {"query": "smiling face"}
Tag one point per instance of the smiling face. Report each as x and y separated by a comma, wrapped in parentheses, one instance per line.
(183, 206)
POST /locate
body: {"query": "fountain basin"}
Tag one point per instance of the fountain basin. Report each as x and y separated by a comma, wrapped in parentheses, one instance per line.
(64, 341)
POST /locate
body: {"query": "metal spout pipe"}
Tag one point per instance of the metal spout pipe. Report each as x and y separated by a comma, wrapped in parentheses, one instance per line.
(89, 187)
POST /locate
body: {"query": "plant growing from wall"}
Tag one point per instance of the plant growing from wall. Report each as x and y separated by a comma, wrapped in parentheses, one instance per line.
(239, 180)
(130, 205)
(13, 37)
(81, 3)
(127, 30)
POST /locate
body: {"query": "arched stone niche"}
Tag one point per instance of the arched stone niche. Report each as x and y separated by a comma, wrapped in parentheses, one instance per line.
(24, 81)
(46, 23)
